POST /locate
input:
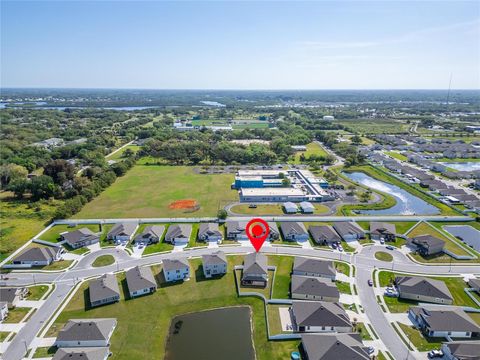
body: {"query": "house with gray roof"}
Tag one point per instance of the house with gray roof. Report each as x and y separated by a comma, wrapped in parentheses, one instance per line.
(423, 289)
(382, 231)
(324, 234)
(176, 269)
(38, 256)
(334, 346)
(140, 281)
(290, 207)
(83, 353)
(294, 231)
(12, 295)
(314, 267)
(474, 283)
(428, 245)
(150, 235)
(440, 322)
(461, 350)
(121, 232)
(307, 207)
(209, 232)
(86, 333)
(104, 290)
(349, 230)
(236, 230)
(255, 270)
(178, 234)
(214, 264)
(319, 316)
(80, 238)
(313, 288)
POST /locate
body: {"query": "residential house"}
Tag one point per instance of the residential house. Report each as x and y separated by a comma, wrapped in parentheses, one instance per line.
(324, 234)
(290, 207)
(314, 267)
(313, 288)
(422, 289)
(294, 231)
(3, 310)
(461, 350)
(319, 316)
(38, 256)
(140, 281)
(255, 270)
(307, 207)
(176, 269)
(12, 295)
(84, 353)
(474, 284)
(236, 230)
(214, 264)
(122, 232)
(349, 230)
(428, 245)
(209, 232)
(86, 333)
(439, 322)
(382, 231)
(178, 234)
(80, 238)
(150, 235)
(104, 290)
(334, 347)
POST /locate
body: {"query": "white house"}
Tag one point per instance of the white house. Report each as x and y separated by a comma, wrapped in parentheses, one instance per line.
(214, 264)
(307, 207)
(176, 269)
(290, 207)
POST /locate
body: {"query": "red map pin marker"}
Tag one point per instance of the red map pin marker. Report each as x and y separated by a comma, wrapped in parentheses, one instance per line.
(257, 231)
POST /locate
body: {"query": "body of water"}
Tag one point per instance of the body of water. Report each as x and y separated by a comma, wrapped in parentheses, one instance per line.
(213, 103)
(407, 204)
(463, 166)
(217, 334)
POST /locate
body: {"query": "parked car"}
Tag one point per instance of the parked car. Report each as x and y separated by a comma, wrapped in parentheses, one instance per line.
(435, 354)
(252, 206)
(370, 282)
(382, 241)
(340, 248)
(390, 247)
(370, 350)
(334, 245)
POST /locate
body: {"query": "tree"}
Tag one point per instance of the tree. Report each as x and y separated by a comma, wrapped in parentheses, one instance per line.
(19, 187)
(357, 140)
(286, 182)
(42, 187)
(222, 214)
(59, 171)
(11, 172)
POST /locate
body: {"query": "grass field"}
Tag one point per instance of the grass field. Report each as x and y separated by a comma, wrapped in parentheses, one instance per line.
(16, 314)
(312, 149)
(375, 126)
(383, 256)
(156, 310)
(103, 260)
(271, 209)
(396, 155)
(147, 191)
(418, 340)
(119, 154)
(36, 292)
(3, 335)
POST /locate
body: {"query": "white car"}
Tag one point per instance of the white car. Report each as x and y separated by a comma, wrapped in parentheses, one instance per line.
(435, 354)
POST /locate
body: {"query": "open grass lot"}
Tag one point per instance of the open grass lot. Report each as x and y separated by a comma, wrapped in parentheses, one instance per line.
(451, 245)
(53, 234)
(45, 352)
(396, 155)
(459, 160)
(271, 209)
(147, 191)
(146, 320)
(383, 256)
(21, 221)
(281, 287)
(36, 292)
(103, 260)
(119, 154)
(375, 126)
(312, 149)
(418, 340)
(16, 315)
(454, 284)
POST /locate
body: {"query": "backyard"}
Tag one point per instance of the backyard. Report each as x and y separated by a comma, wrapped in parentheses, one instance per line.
(149, 191)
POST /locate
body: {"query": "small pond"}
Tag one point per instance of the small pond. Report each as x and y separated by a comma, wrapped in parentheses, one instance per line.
(217, 334)
(407, 204)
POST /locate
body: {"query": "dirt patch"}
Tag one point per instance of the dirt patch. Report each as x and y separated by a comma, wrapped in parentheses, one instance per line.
(186, 204)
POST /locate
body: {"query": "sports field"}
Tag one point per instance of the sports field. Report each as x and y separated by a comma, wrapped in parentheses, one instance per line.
(149, 191)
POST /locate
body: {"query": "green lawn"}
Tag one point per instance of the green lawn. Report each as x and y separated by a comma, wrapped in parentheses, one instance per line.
(396, 155)
(147, 191)
(3, 335)
(274, 322)
(312, 149)
(58, 265)
(36, 292)
(194, 242)
(16, 314)
(361, 328)
(425, 228)
(421, 342)
(44, 352)
(157, 310)
(158, 247)
(271, 209)
(53, 234)
(383, 256)
(343, 287)
(103, 260)
(284, 264)
(342, 267)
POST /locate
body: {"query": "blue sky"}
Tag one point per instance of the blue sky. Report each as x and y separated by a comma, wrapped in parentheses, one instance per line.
(240, 45)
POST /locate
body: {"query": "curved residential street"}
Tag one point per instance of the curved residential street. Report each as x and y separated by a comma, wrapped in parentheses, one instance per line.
(364, 261)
